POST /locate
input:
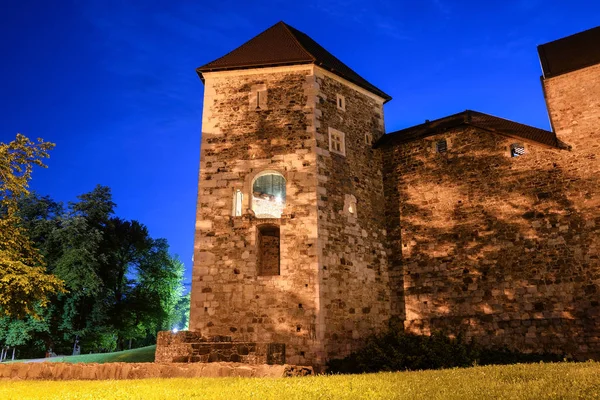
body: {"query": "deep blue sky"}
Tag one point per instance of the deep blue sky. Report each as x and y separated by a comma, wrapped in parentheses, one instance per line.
(112, 83)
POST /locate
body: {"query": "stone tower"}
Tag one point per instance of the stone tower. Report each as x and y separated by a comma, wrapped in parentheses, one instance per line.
(290, 230)
(571, 83)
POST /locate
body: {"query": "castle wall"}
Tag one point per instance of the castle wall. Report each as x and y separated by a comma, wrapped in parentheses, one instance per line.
(229, 298)
(505, 250)
(355, 291)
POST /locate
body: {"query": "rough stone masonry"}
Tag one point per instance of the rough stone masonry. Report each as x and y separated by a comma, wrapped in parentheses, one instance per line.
(469, 224)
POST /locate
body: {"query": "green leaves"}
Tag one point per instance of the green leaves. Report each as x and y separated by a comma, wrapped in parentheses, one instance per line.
(23, 281)
(122, 284)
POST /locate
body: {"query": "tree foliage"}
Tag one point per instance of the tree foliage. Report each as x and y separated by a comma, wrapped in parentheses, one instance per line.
(123, 285)
(24, 283)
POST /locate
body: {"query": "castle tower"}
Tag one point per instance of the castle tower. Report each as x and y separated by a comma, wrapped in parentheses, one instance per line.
(571, 83)
(290, 230)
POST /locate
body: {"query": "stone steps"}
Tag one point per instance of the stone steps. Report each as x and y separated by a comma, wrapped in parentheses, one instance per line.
(65, 371)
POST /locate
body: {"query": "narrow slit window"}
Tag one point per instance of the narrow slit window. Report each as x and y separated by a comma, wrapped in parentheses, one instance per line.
(350, 205)
(368, 139)
(441, 146)
(337, 141)
(258, 97)
(341, 102)
(517, 150)
(238, 198)
(268, 250)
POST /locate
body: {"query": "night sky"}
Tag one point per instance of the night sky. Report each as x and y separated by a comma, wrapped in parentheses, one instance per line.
(113, 83)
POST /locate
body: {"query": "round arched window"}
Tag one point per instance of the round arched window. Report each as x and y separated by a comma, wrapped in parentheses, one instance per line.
(268, 195)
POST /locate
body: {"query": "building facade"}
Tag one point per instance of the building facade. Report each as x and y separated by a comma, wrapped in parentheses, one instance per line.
(315, 229)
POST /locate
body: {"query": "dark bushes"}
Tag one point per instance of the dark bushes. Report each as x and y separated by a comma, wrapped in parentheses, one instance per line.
(397, 351)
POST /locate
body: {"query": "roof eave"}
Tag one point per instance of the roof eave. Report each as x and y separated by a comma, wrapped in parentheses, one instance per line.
(201, 70)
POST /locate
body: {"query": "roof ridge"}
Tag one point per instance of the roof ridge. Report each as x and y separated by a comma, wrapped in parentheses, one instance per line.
(506, 119)
(282, 44)
(487, 122)
(289, 31)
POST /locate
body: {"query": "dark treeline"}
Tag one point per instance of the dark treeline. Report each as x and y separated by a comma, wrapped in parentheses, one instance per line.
(122, 285)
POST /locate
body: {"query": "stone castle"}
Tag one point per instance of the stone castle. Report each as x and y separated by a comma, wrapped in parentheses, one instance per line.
(316, 229)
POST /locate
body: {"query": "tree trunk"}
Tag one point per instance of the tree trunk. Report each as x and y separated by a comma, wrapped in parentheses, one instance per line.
(129, 344)
(13, 355)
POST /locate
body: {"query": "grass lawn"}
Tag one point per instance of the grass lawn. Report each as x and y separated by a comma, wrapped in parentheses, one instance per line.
(143, 354)
(521, 381)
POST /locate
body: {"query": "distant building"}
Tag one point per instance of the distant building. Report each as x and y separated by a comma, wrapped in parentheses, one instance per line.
(315, 229)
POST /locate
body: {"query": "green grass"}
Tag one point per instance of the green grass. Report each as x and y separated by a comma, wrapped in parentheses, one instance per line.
(521, 381)
(143, 354)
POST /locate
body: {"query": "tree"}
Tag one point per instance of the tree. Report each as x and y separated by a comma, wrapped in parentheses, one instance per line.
(122, 284)
(24, 283)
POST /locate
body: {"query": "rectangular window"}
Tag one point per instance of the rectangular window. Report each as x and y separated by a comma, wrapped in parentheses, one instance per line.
(238, 197)
(368, 139)
(441, 146)
(517, 149)
(337, 141)
(268, 241)
(258, 97)
(341, 102)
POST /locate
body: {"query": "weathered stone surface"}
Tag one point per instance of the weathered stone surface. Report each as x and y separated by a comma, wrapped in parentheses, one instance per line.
(62, 371)
(186, 347)
(505, 250)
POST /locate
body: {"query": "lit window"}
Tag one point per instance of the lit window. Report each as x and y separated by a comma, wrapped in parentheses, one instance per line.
(350, 205)
(517, 149)
(337, 141)
(341, 102)
(369, 139)
(441, 146)
(237, 203)
(268, 195)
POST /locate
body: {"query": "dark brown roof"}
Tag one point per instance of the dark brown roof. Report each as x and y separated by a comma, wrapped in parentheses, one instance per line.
(282, 44)
(571, 53)
(471, 118)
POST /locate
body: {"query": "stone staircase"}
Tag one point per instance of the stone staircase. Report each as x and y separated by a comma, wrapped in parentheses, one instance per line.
(192, 347)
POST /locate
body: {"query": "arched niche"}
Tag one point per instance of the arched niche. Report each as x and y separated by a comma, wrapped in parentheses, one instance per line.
(268, 194)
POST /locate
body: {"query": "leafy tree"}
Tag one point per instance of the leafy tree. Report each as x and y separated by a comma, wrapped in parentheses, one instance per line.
(23, 279)
(122, 284)
(182, 312)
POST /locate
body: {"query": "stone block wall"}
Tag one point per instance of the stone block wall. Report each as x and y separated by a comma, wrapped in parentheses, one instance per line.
(190, 347)
(117, 371)
(353, 269)
(229, 294)
(505, 250)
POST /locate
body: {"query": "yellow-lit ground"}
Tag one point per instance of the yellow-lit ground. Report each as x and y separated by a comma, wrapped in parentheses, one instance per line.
(533, 381)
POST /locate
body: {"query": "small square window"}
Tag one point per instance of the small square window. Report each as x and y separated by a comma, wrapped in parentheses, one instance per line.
(517, 149)
(341, 102)
(337, 141)
(368, 139)
(441, 146)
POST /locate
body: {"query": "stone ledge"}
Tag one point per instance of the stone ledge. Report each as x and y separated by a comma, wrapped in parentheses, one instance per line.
(64, 371)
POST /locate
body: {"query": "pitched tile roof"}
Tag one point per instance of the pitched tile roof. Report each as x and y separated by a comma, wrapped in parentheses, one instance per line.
(570, 53)
(471, 118)
(282, 44)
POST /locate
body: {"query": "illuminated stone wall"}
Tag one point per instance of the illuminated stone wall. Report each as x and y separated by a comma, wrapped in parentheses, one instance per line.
(355, 283)
(229, 297)
(504, 250)
(267, 208)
